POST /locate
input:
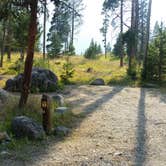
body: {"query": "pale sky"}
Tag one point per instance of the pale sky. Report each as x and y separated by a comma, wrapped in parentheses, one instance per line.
(92, 22)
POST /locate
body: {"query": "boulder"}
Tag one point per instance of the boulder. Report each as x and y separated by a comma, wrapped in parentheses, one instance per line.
(42, 80)
(61, 131)
(23, 126)
(3, 95)
(58, 99)
(98, 81)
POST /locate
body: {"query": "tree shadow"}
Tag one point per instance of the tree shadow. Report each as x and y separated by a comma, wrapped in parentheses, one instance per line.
(140, 150)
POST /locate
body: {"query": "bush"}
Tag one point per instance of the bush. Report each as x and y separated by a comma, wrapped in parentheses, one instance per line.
(67, 72)
(42, 63)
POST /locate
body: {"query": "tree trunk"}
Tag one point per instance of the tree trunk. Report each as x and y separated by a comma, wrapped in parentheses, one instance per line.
(72, 26)
(160, 53)
(147, 39)
(22, 55)
(44, 30)
(105, 45)
(30, 54)
(121, 33)
(3, 44)
(132, 47)
(134, 33)
(8, 39)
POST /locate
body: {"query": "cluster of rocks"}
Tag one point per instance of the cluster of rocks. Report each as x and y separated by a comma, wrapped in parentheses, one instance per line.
(42, 80)
(23, 126)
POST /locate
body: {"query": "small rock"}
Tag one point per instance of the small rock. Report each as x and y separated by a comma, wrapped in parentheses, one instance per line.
(61, 110)
(101, 158)
(59, 99)
(98, 81)
(23, 126)
(4, 153)
(118, 154)
(3, 95)
(149, 85)
(61, 131)
(4, 137)
(89, 70)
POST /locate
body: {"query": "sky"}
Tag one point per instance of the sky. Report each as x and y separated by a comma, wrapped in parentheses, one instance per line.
(92, 22)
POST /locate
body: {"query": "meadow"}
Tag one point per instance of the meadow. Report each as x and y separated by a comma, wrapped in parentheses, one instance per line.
(101, 67)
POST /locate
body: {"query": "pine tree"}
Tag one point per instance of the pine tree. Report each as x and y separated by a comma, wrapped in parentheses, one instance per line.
(104, 29)
(59, 31)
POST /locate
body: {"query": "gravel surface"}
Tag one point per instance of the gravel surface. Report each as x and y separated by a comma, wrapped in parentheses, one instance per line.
(121, 126)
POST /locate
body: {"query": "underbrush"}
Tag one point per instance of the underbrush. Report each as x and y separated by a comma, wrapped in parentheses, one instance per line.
(10, 109)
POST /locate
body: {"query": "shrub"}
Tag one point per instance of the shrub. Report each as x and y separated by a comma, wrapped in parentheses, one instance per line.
(67, 72)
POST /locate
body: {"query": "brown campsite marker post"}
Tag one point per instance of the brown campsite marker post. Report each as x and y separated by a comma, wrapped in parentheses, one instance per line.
(46, 107)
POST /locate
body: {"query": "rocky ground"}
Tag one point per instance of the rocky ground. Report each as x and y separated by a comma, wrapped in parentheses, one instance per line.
(121, 126)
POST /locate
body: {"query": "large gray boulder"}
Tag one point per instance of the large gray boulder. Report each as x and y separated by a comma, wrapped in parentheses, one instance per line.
(42, 80)
(98, 81)
(23, 126)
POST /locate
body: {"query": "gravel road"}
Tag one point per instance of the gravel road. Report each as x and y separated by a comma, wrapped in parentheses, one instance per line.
(121, 126)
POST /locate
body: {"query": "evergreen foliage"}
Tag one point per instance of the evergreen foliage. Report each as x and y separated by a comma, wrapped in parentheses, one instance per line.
(93, 50)
(156, 59)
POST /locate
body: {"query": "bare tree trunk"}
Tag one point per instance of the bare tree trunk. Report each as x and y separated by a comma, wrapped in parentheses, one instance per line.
(72, 26)
(147, 39)
(44, 30)
(121, 33)
(3, 44)
(22, 55)
(105, 45)
(160, 53)
(142, 50)
(30, 54)
(132, 51)
(8, 39)
(134, 33)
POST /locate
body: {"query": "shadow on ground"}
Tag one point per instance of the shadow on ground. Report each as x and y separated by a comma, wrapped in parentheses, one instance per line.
(140, 150)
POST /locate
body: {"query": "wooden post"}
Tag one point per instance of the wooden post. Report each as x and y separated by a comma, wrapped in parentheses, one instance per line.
(46, 107)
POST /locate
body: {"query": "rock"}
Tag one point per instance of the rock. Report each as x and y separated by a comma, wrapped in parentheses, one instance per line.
(118, 153)
(4, 137)
(23, 126)
(3, 95)
(149, 85)
(42, 80)
(89, 70)
(10, 85)
(4, 153)
(61, 131)
(61, 110)
(58, 99)
(98, 81)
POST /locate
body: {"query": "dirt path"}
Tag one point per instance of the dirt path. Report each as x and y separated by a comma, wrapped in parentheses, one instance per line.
(122, 126)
